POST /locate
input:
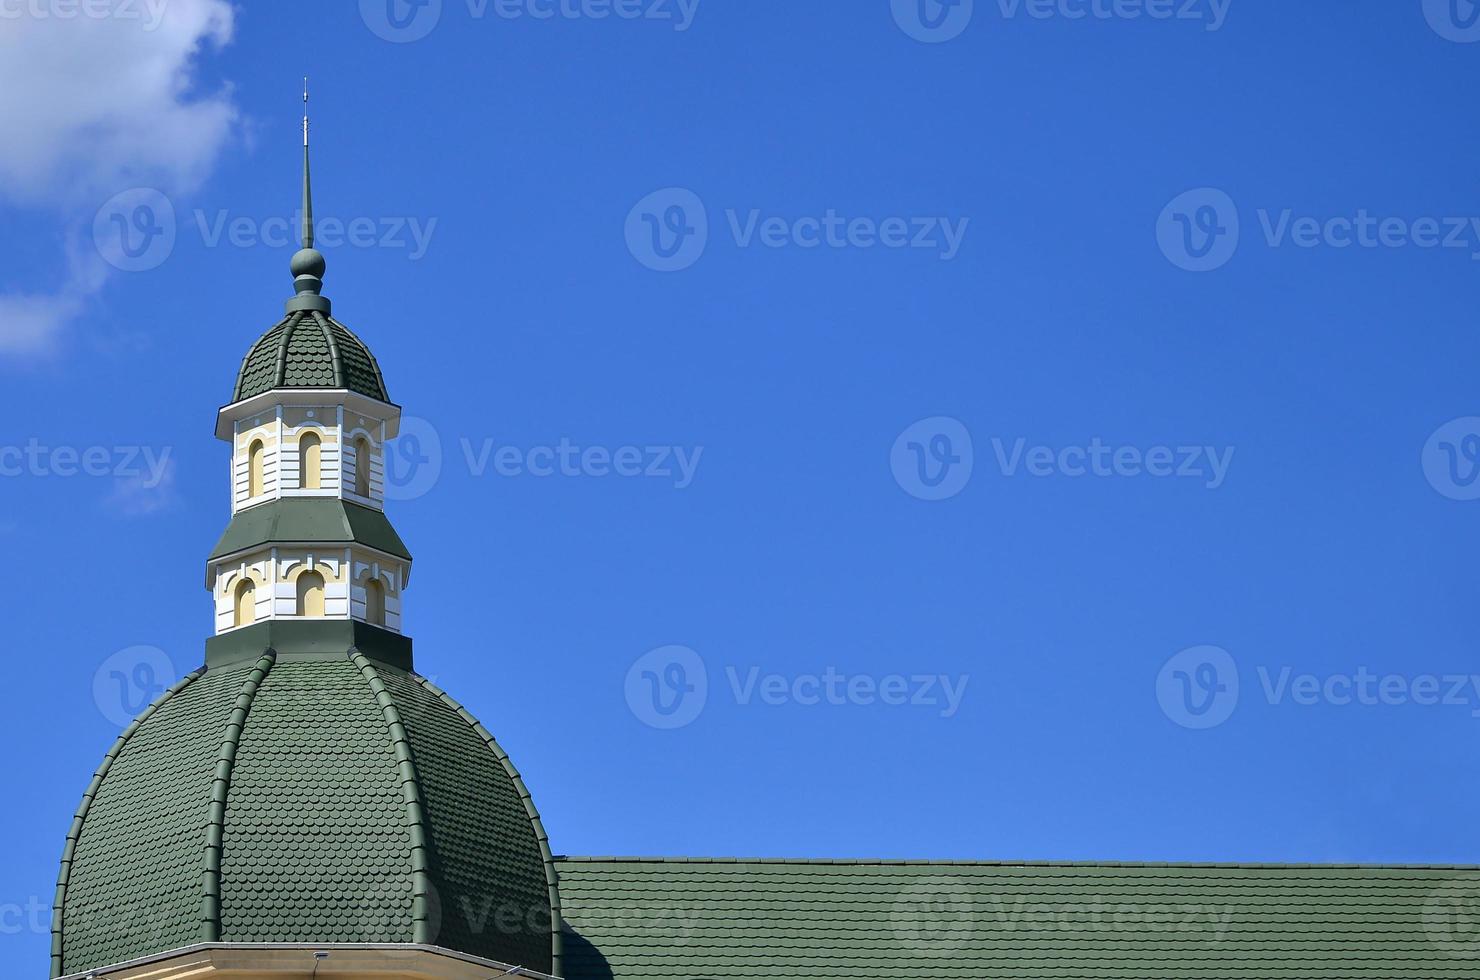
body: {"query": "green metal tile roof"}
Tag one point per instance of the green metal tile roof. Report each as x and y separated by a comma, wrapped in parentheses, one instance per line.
(309, 520)
(309, 349)
(305, 798)
(636, 919)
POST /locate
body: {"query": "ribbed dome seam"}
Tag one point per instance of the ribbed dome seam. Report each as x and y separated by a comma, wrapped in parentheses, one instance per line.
(210, 927)
(411, 795)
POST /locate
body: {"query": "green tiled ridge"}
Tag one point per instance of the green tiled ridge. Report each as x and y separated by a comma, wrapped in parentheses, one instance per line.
(315, 846)
(361, 371)
(487, 860)
(134, 886)
(411, 799)
(645, 919)
(306, 349)
(210, 912)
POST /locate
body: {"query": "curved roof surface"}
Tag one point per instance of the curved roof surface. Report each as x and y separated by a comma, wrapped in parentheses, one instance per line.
(305, 799)
(309, 349)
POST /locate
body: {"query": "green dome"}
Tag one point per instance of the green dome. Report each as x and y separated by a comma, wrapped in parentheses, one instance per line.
(305, 799)
(309, 349)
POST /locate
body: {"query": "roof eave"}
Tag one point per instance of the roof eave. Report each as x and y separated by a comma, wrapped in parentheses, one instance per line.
(352, 401)
(288, 959)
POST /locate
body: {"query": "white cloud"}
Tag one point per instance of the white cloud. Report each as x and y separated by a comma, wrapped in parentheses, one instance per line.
(97, 96)
(145, 493)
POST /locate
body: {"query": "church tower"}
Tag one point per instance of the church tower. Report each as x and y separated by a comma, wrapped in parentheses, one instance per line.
(305, 803)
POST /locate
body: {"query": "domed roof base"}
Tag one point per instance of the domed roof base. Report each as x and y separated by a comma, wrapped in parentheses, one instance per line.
(292, 962)
(305, 796)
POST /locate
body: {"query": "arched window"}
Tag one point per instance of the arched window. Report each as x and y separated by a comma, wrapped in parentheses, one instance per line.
(256, 464)
(245, 603)
(310, 459)
(362, 467)
(375, 602)
(311, 594)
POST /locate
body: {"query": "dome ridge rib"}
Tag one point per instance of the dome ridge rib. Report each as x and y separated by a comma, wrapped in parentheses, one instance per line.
(210, 928)
(63, 878)
(552, 879)
(334, 357)
(281, 375)
(421, 882)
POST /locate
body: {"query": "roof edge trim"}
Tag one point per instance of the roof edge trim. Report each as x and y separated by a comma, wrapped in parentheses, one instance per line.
(929, 863)
(75, 834)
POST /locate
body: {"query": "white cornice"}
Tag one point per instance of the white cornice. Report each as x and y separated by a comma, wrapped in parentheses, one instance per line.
(384, 961)
(352, 401)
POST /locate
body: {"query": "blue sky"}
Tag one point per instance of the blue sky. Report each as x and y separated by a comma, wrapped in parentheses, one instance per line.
(981, 400)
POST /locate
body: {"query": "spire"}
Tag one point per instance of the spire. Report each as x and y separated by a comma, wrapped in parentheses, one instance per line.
(307, 264)
(307, 193)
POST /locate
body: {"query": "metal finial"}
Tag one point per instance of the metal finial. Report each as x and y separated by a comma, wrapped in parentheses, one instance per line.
(307, 193)
(307, 264)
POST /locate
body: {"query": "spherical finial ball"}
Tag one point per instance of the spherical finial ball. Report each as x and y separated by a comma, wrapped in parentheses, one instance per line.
(307, 262)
